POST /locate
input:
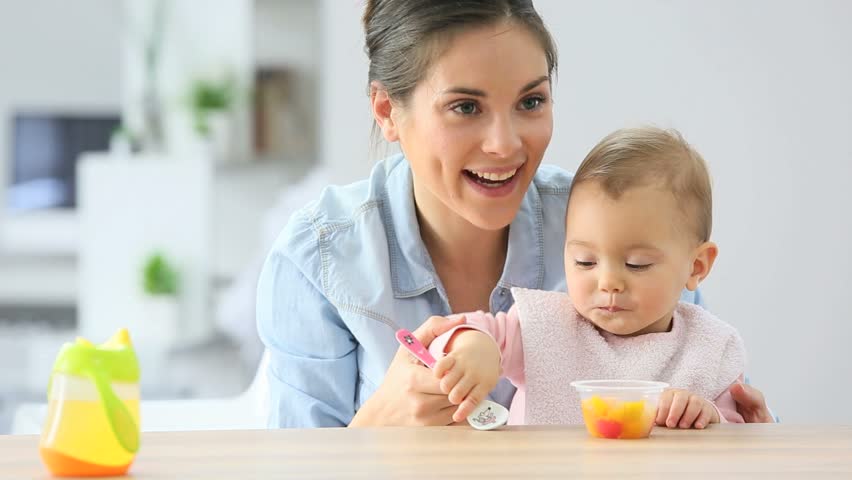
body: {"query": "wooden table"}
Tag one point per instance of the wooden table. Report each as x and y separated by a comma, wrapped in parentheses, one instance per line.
(720, 452)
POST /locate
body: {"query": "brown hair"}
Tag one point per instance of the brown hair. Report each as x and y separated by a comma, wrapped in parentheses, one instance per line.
(643, 156)
(403, 37)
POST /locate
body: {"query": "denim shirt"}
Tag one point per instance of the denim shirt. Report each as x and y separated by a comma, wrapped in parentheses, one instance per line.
(351, 268)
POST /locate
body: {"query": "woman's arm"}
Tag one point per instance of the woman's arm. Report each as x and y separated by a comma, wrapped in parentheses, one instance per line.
(313, 367)
(313, 372)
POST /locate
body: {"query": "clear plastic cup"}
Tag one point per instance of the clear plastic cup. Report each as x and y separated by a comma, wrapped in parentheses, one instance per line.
(619, 408)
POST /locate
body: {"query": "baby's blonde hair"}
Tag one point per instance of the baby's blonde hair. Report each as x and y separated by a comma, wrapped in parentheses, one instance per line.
(651, 156)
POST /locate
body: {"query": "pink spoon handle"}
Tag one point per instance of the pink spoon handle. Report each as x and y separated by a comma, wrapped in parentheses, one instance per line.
(410, 342)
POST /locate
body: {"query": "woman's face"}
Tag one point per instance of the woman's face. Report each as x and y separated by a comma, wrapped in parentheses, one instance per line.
(476, 127)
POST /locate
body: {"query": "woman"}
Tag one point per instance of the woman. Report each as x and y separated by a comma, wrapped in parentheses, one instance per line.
(451, 225)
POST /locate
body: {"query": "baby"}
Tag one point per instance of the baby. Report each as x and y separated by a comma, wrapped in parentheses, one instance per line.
(637, 233)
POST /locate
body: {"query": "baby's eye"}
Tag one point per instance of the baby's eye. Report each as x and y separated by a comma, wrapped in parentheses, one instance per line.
(583, 264)
(639, 267)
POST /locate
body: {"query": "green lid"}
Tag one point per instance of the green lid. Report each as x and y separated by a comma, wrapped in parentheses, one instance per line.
(115, 360)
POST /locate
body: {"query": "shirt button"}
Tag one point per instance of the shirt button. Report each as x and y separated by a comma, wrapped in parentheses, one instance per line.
(502, 292)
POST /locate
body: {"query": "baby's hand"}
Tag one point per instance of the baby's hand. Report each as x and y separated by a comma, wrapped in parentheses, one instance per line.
(682, 409)
(469, 371)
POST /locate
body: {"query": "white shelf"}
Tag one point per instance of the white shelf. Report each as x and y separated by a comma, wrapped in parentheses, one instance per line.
(38, 280)
(43, 233)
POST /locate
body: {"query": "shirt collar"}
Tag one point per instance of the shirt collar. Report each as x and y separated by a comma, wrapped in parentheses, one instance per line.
(412, 272)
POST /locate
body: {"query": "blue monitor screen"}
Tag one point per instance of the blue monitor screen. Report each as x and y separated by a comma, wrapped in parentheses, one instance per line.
(45, 148)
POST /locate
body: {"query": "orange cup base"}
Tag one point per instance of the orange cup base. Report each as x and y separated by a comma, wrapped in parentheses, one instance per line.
(62, 465)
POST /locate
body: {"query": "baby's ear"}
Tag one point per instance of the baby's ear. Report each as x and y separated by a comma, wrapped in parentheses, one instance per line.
(702, 262)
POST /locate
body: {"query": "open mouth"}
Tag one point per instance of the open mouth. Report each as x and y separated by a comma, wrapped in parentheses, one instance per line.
(491, 180)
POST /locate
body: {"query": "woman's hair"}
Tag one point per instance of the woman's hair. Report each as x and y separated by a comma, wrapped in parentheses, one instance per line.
(651, 156)
(403, 37)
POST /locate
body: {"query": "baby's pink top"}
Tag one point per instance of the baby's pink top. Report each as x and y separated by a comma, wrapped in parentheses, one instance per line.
(505, 329)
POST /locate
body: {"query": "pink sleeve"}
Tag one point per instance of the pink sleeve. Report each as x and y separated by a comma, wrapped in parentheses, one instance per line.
(727, 407)
(504, 328)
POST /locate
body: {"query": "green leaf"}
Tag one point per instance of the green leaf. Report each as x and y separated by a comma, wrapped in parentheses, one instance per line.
(159, 277)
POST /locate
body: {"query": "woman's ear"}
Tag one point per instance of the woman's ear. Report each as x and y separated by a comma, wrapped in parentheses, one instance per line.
(382, 107)
(702, 263)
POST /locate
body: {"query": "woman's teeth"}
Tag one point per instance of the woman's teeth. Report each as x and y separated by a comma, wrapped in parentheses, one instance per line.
(491, 179)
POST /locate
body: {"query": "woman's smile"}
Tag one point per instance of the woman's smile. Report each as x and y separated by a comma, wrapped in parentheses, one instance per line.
(493, 182)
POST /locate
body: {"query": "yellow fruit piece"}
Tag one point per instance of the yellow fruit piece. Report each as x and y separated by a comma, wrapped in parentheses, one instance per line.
(597, 406)
(633, 410)
(594, 408)
(640, 426)
(616, 412)
(634, 430)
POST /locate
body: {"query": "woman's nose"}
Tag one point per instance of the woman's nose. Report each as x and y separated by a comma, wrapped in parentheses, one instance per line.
(502, 139)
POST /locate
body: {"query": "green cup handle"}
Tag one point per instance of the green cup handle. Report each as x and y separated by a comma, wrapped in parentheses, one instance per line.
(120, 419)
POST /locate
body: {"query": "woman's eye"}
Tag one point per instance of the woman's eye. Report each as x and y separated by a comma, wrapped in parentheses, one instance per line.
(636, 266)
(584, 264)
(466, 108)
(531, 103)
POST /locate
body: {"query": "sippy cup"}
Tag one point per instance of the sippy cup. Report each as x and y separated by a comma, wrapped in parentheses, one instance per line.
(92, 424)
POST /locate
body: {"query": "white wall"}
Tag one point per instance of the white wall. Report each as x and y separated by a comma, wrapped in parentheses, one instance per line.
(345, 121)
(35, 76)
(54, 56)
(286, 38)
(283, 33)
(761, 88)
(201, 40)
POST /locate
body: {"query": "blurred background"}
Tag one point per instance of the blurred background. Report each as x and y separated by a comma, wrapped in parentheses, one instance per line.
(151, 150)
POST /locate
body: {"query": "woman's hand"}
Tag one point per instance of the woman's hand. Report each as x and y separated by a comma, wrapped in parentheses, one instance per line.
(469, 371)
(751, 404)
(410, 395)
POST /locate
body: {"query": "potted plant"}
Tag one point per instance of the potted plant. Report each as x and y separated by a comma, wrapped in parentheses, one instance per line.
(160, 283)
(212, 103)
(159, 277)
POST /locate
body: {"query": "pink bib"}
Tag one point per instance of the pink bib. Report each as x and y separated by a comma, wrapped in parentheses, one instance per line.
(701, 354)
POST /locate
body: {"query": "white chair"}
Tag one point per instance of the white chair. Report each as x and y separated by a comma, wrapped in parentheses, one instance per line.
(247, 411)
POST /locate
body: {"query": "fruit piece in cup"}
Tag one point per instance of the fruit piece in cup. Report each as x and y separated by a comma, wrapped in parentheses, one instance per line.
(615, 418)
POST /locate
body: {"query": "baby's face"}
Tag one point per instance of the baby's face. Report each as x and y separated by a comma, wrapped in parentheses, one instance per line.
(626, 260)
